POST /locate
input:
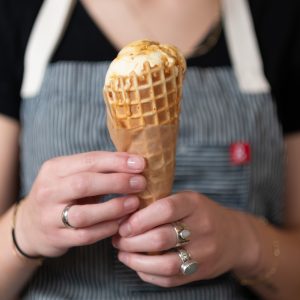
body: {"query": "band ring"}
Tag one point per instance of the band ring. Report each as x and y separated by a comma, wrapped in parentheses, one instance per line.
(65, 215)
(188, 265)
(182, 234)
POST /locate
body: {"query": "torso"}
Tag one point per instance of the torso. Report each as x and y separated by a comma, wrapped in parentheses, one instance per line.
(161, 20)
(68, 116)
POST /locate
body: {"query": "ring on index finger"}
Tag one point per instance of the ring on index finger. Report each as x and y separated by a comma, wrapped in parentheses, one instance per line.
(182, 234)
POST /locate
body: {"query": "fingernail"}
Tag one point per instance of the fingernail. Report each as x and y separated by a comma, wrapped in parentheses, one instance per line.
(130, 203)
(121, 220)
(125, 230)
(122, 257)
(114, 242)
(137, 182)
(135, 163)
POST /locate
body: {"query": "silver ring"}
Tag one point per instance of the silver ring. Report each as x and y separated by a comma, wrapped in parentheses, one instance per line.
(182, 234)
(65, 215)
(188, 265)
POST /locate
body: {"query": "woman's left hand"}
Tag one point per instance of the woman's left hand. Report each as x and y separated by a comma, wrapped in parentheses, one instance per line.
(221, 240)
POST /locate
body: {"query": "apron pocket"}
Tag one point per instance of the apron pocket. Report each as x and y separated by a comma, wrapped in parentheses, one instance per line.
(221, 172)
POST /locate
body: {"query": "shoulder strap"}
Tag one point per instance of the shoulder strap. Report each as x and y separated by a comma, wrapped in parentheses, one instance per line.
(53, 19)
(243, 46)
(49, 27)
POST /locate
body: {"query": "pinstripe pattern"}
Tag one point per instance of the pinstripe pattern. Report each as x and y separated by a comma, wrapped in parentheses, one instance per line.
(68, 116)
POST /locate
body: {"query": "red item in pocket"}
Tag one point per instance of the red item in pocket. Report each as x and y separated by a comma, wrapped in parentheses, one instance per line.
(240, 153)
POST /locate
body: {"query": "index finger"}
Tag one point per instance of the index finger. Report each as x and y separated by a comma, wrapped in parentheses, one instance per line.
(161, 212)
(96, 161)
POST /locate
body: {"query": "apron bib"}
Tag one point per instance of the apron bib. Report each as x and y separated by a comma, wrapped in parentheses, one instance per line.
(230, 148)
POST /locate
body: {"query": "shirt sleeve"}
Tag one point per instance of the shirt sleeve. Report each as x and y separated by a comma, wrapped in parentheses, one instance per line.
(287, 93)
(278, 31)
(10, 80)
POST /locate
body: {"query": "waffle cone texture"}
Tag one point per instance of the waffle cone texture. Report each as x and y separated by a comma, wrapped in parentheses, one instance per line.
(143, 110)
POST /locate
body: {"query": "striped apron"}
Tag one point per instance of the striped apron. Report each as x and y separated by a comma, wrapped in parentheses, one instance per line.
(230, 148)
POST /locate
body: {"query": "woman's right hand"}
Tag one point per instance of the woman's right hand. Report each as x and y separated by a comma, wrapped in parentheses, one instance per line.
(74, 180)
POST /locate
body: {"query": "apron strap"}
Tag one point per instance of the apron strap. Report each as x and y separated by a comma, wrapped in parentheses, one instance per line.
(47, 31)
(243, 46)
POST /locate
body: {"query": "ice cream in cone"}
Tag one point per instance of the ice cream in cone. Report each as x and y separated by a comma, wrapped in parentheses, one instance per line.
(142, 91)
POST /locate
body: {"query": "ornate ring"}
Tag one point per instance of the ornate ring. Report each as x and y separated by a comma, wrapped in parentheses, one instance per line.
(182, 234)
(188, 265)
(65, 215)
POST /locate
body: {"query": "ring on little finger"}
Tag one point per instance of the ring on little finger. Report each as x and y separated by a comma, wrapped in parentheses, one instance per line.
(65, 216)
(188, 266)
(182, 234)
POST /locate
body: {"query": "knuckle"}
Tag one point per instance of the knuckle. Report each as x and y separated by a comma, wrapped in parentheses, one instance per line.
(43, 192)
(119, 183)
(129, 261)
(193, 198)
(80, 184)
(171, 268)
(212, 250)
(167, 207)
(206, 270)
(122, 159)
(118, 207)
(145, 278)
(206, 225)
(141, 275)
(77, 217)
(193, 195)
(119, 161)
(85, 237)
(136, 222)
(110, 229)
(159, 241)
(90, 159)
(47, 166)
(167, 283)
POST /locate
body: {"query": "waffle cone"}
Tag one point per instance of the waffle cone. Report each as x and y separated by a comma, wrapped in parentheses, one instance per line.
(143, 118)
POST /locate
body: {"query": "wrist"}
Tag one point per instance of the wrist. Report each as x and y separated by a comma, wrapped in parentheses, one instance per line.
(262, 264)
(21, 245)
(250, 254)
